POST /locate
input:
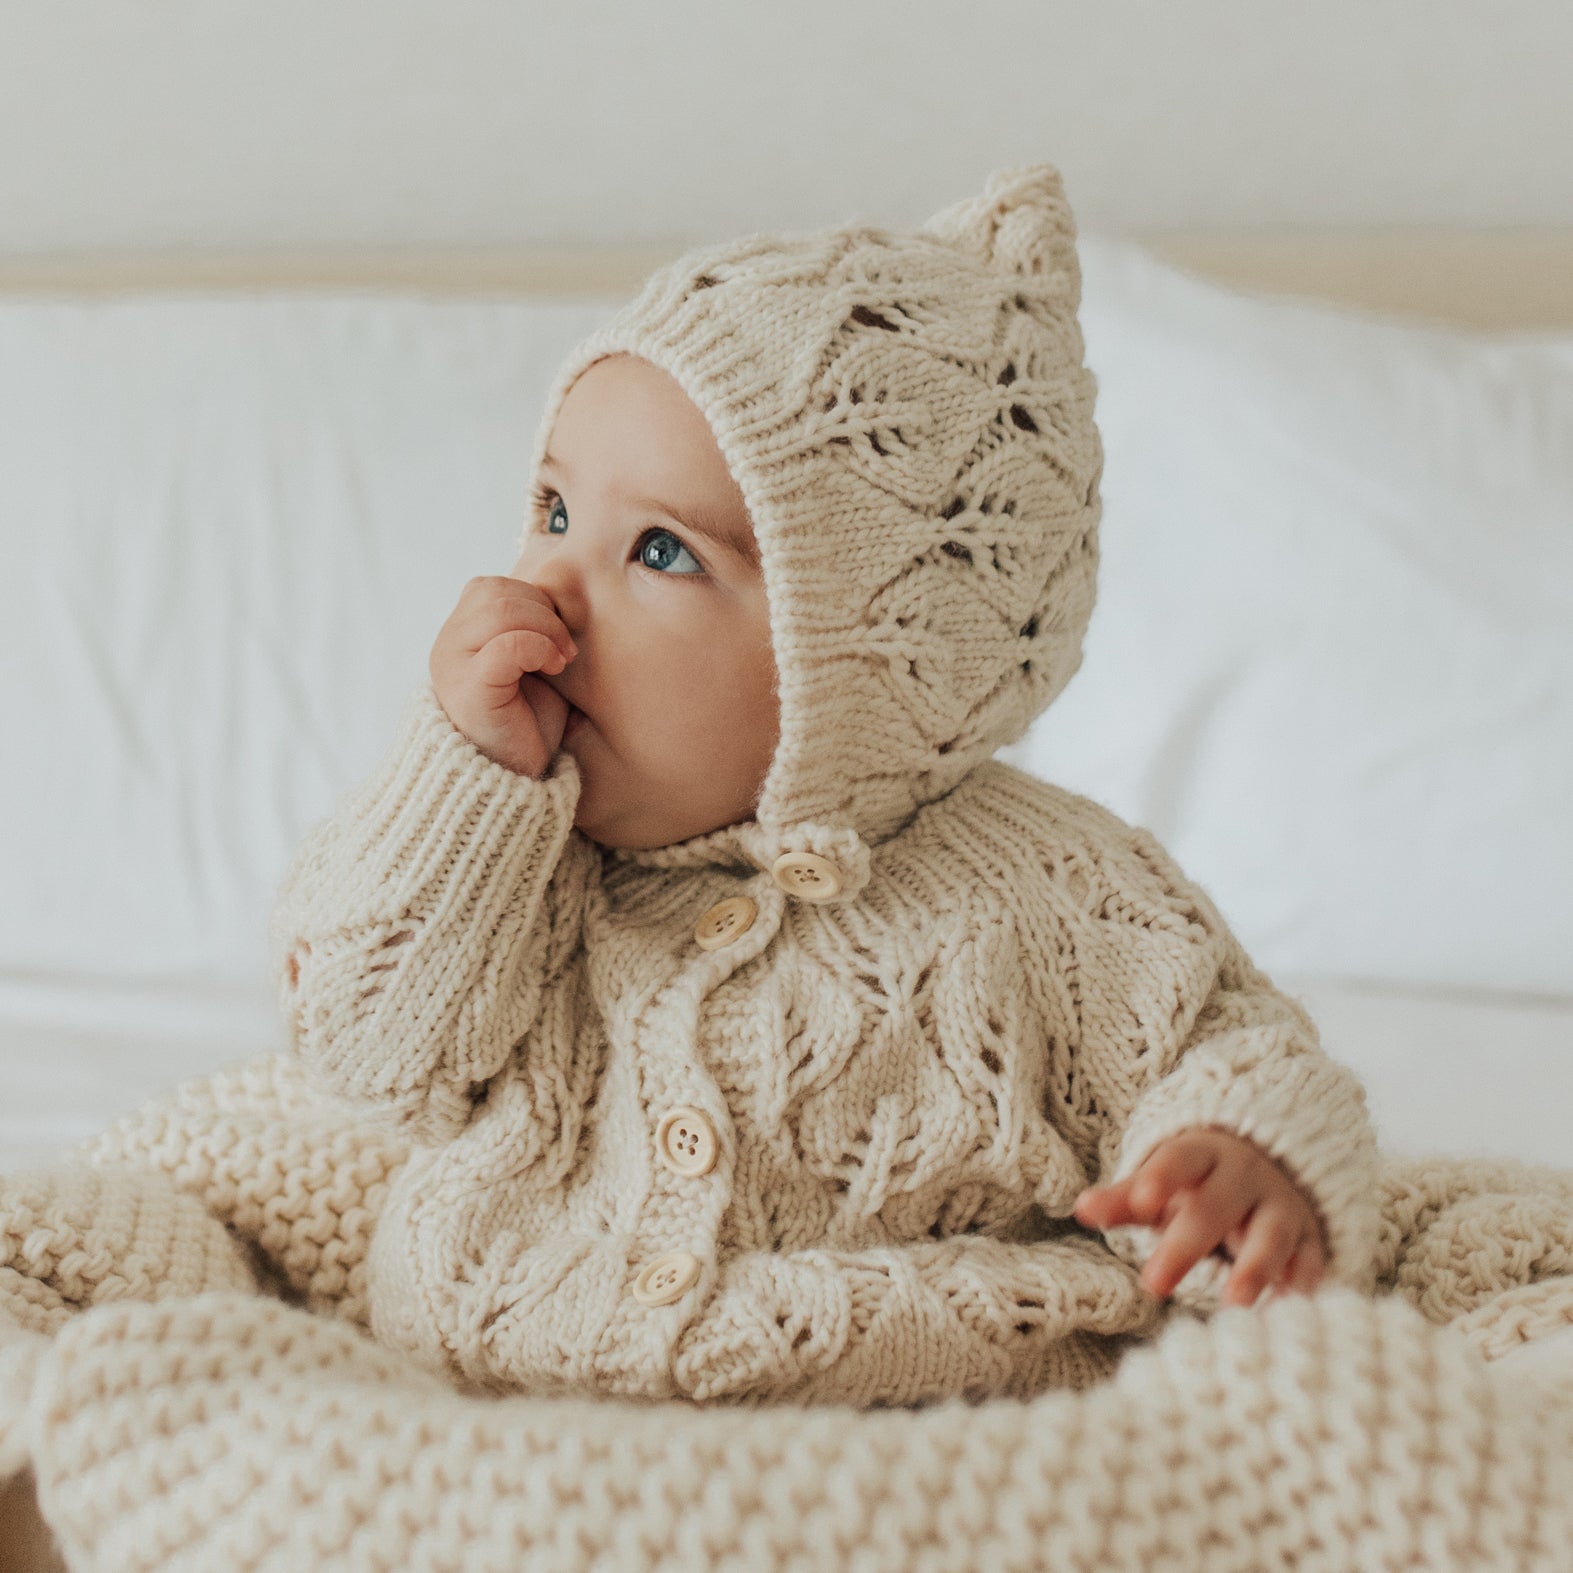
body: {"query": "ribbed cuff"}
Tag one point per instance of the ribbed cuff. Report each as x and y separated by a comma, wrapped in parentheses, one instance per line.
(437, 802)
(440, 841)
(1303, 1109)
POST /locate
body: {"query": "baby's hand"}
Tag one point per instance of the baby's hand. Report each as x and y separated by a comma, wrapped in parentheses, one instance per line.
(1207, 1187)
(483, 663)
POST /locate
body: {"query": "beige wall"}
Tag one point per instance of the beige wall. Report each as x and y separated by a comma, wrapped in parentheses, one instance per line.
(325, 124)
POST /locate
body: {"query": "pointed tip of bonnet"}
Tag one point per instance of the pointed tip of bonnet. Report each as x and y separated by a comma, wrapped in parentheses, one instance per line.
(1021, 223)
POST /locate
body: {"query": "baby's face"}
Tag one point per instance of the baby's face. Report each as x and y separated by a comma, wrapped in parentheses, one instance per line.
(675, 675)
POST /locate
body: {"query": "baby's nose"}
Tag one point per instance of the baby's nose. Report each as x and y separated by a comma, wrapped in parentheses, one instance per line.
(563, 590)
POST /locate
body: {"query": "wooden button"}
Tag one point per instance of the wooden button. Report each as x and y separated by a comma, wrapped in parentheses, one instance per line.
(664, 1279)
(685, 1141)
(724, 922)
(807, 875)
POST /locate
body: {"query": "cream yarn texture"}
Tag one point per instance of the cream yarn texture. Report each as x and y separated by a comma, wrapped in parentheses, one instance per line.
(231, 1430)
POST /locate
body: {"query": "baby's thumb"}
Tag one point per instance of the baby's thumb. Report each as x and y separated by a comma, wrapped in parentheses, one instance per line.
(549, 709)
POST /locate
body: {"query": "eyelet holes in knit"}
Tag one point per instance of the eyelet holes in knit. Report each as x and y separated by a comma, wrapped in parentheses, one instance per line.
(978, 531)
(372, 987)
(953, 683)
(1069, 1102)
(871, 318)
(1162, 868)
(402, 937)
(936, 1094)
(1019, 415)
(968, 1208)
(885, 440)
(880, 390)
(292, 963)
(801, 1330)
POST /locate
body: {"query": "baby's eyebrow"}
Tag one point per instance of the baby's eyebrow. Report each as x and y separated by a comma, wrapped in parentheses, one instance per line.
(701, 520)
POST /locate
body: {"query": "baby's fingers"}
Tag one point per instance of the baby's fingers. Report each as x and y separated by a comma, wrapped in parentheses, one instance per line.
(1104, 1206)
(500, 664)
(1145, 1196)
(1272, 1237)
(1171, 1168)
(1110, 1205)
(1303, 1272)
(495, 605)
(1191, 1235)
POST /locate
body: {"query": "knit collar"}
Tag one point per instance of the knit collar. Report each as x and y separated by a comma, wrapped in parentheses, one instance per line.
(752, 845)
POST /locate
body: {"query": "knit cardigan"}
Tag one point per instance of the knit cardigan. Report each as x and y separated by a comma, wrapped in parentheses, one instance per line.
(890, 1099)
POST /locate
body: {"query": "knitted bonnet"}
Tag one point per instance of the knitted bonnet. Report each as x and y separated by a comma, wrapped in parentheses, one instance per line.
(911, 426)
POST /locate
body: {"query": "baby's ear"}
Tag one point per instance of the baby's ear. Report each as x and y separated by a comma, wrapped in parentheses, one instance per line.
(1021, 223)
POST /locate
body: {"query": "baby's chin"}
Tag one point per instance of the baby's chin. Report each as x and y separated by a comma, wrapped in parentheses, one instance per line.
(594, 817)
(620, 819)
(600, 822)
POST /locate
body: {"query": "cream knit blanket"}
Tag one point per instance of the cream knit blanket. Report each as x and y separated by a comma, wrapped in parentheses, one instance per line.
(178, 1414)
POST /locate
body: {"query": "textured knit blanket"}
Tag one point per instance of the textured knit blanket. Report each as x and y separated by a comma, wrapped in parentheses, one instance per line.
(182, 1406)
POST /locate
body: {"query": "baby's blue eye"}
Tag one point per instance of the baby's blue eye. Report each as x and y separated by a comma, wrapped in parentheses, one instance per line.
(658, 549)
(660, 557)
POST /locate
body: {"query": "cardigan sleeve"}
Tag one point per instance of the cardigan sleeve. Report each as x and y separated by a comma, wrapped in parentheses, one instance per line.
(415, 930)
(1172, 1027)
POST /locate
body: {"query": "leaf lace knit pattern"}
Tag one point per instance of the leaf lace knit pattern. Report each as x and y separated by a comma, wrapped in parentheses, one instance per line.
(906, 1090)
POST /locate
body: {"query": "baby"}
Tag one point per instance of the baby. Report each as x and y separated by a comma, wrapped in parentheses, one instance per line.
(756, 1034)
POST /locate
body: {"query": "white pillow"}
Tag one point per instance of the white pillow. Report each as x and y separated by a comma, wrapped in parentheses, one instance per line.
(231, 529)
(1331, 664)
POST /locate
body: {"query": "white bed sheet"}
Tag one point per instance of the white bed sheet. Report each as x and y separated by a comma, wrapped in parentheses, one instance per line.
(1445, 1072)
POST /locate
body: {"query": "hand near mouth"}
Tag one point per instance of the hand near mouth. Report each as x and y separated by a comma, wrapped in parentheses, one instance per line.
(484, 665)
